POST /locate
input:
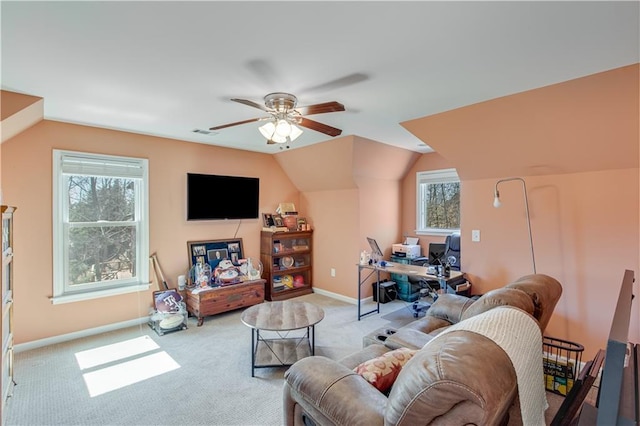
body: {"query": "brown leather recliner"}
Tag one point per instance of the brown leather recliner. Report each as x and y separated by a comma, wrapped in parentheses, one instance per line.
(460, 378)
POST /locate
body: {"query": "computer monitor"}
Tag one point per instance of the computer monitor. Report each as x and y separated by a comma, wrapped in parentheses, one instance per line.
(375, 248)
(436, 253)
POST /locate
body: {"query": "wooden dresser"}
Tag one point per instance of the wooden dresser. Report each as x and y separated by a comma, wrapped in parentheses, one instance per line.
(211, 301)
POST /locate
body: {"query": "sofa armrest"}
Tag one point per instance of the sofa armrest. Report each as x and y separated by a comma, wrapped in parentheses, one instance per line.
(449, 307)
(456, 379)
(408, 338)
(330, 393)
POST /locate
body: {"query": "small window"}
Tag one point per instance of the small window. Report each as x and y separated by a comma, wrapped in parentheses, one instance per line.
(100, 229)
(437, 202)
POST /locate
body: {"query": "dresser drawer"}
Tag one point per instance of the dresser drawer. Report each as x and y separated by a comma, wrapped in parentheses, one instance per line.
(222, 299)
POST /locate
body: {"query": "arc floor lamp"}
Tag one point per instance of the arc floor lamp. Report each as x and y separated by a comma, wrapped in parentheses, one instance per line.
(497, 203)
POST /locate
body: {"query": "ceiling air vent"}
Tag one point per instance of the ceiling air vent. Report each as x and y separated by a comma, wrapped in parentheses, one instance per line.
(204, 132)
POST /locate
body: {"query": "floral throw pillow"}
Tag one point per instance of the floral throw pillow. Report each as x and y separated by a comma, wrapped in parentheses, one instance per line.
(382, 371)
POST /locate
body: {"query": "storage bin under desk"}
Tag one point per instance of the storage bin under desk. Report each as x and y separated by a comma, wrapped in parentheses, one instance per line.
(406, 290)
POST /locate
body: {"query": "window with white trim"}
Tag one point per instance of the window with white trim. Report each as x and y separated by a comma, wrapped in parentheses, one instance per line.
(100, 225)
(437, 202)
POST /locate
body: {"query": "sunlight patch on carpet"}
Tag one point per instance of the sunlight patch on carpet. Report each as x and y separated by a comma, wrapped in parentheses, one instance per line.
(126, 373)
(115, 352)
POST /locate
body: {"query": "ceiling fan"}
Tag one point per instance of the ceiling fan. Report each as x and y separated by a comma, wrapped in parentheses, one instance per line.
(284, 117)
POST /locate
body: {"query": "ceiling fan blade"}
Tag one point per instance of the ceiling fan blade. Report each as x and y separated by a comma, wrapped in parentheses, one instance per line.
(235, 124)
(321, 108)
(319, 127)
(251, 104)
(338, 83)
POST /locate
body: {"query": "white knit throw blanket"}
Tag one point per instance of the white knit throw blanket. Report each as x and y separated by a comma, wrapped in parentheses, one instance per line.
(518, 334)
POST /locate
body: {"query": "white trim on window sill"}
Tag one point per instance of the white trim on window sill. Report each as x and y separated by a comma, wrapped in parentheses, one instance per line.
(77, 297)
(436, 232)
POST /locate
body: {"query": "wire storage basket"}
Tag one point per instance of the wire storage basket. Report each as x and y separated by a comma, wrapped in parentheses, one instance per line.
(562, 361)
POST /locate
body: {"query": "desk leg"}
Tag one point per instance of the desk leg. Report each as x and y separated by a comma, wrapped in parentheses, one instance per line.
(360, 282)
(359, 290)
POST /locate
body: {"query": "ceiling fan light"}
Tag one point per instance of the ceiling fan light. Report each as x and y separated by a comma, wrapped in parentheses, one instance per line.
(295, 132)
(278, 139)
(283, 128)
(267, 129)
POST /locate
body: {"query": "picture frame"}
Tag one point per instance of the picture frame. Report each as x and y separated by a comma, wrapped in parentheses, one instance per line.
(214, 251)
(302, 223)
(277, 220)
(267, 220)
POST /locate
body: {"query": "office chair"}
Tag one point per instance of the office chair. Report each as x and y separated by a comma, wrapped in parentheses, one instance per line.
(426, 287)
(452, 251)
(418, 307)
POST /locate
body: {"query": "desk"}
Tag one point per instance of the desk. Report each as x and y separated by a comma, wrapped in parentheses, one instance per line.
(398, 268)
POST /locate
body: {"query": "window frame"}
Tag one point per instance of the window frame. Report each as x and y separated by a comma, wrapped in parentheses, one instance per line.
(99, 165)
(431, 177)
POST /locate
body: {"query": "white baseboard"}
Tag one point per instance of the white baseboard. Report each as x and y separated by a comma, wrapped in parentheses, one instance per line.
(340, 297)
(78, 334)
(112, 327)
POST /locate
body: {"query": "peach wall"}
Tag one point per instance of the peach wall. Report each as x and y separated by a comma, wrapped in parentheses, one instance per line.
(586, 124)
(320, 167)
(11, 103)
(585, 229)
(335, 218)
(26, 176)
(350, 189)
(577, 145)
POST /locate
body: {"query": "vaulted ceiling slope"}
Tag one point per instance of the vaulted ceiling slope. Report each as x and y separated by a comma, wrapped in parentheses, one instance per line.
(587, 124)
(166, 68)
(345, 163)
(18, 113)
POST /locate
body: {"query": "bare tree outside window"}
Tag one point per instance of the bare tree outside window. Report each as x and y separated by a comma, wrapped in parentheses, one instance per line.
(438, 202)
(443, 205)
(102, 231)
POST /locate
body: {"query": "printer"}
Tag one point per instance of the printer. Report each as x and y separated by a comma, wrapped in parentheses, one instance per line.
(409, 249)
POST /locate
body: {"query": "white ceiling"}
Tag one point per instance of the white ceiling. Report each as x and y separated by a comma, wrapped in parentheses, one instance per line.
(167, 68)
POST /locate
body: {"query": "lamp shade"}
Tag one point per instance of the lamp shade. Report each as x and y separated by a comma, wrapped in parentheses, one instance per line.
(267, 129)
(283, 128)
(295, 132)
(280, 131)
(278, 139)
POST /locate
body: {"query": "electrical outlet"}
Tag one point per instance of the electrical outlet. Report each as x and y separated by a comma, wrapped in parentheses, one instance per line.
(475, 235)
(333, 272)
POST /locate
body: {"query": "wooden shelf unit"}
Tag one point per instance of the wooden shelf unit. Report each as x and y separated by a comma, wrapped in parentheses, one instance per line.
(287, 259)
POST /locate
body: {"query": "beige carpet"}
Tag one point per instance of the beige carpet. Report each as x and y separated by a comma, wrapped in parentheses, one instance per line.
(210, 384)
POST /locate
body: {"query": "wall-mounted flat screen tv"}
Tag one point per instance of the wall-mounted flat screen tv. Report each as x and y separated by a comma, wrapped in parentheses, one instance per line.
(216, 197)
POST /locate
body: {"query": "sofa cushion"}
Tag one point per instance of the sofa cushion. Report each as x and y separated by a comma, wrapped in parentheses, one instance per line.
(382, 371)
(500, 297)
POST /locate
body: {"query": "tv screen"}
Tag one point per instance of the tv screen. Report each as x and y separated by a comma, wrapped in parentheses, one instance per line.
(215, 197)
